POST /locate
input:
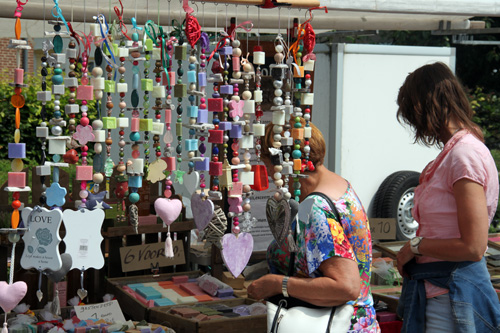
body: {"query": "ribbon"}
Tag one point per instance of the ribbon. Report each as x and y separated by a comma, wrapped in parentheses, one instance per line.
(220, 45)
(119, 14)
(178, 28)
(134, 24)
(310, 35)
(242, 26)
(101, 20)
(59, 13)
(19, 8)
(149, 28)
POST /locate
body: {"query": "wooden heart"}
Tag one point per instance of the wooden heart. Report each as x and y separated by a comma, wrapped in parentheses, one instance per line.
(57, 276)
(236, 251)
(278, 218)
(191, 181)
(11, 294)
(203, 210)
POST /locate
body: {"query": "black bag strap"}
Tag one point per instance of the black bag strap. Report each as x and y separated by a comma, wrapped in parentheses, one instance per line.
(291, 267)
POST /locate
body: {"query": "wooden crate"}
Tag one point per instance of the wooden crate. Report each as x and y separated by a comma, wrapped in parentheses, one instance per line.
(246, 324)
(389, 249)
(131, 306)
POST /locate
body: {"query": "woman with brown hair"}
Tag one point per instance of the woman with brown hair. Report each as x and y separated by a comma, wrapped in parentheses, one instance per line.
(332, 264)
(447, 286)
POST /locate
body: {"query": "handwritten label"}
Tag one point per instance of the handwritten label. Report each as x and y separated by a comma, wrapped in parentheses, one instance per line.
(108, 311)
(150, 256)
(383, 228)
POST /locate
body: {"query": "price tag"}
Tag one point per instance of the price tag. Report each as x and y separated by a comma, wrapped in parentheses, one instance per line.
(383, 228)
(108, 311)
(150, 255)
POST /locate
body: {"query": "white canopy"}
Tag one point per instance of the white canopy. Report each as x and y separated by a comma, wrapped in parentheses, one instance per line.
(342, 14)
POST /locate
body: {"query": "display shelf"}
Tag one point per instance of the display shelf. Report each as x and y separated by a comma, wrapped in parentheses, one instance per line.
(242, 324)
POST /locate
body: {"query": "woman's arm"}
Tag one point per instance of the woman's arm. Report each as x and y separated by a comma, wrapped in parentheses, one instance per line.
(473, 224)
(340, 283)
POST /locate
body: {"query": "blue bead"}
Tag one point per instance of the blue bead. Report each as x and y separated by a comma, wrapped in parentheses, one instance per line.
(191, 98)
(192, 66)
(296, 154)
(57, 114)
(216, 121)
(56, 158)
(215, 151)
(191, 164)
(192, 131)
(57, 79)
(135, 136)
(135, 36)
(215, 181)
(216, 55)
(134, 197)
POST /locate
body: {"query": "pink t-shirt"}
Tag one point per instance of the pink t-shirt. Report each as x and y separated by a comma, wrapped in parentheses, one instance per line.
(463, 156)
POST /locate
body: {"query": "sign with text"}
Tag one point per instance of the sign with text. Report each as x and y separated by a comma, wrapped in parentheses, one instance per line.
(383, 228)
(108, 311)
(151, 255)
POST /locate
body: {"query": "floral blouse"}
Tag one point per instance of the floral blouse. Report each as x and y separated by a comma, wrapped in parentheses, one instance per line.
(323, 237)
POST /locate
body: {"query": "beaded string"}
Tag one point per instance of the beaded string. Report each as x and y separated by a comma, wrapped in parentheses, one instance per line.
(202, 117)
(17, 150)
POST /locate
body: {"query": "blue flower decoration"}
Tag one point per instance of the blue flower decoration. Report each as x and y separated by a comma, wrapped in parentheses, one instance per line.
(55, 195)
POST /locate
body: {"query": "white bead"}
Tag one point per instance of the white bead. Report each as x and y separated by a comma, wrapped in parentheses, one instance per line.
(277, 137)
(308, 82)
(97, 124)
(277, 175)
(287, 196)
(247, 94)
(236, 43)
(235, 98)
(277, 84)
(192, 86)
(307, 149)
(278, 182)
(307, 116)
(277, 129)
(278, 168)
(278, 92)
(236, 52)
(278, 48)
(236, 75)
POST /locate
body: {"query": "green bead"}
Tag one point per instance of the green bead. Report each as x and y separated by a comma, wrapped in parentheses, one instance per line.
(297, 119)
(146, 152)
(297, 125)
(296, 193)
(296, 147)
(58, 44)
(122, 80)
(299, 54)
(179, 159)
(134, 197)
(134, 98)
(179, 120)
(121, 154)
(57, 71)
(225, 145)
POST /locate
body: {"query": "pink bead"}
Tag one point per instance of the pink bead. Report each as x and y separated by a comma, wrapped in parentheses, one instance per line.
(168, 116)
(84, 121)
(202, 185)
(236, 230)
(202, 100)
(84, 200)
(84, 154)
(167, 193)
(83, 194)
(158, 116)
(122, 105)
(236, 223)
(168, 182)
(135, 125)
(136, 153)
(203, 106)
(235, 161)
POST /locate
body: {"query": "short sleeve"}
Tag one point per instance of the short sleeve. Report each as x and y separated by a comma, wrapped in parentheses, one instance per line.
(324, 237)
(467, 161)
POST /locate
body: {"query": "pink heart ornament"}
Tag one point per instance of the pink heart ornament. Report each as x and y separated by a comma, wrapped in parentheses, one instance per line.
(168, 209)
(11, 294)
(203, 210)
(236, 251)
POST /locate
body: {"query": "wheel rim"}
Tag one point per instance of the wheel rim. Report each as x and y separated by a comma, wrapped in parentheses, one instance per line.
(406, 223)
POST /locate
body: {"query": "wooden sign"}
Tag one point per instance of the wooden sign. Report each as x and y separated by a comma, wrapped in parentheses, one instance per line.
(41, 241)
(151, 255)
(108, 311)
(383, 228)
(83, 237)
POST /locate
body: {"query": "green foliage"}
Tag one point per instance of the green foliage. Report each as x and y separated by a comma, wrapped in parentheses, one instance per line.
(30, 116)
(486, 108)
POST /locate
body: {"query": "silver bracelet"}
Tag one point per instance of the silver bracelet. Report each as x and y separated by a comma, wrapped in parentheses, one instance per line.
(284, 286)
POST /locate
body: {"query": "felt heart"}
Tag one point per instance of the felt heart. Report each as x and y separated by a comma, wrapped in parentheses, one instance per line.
(57, 276)
(278, 217)
(236, 251)
(168, 209)
(202, 211)
(191, 181)
(11, 294)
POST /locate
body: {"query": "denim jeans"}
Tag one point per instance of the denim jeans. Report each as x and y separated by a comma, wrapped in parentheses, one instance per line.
(438, 315)
(474, 303)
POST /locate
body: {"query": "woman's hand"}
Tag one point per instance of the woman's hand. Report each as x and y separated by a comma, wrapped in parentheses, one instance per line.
(404, 255)
(265, 287)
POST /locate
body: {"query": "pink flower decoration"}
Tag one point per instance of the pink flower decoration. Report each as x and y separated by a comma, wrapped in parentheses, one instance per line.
(236, 108)
(83, 134)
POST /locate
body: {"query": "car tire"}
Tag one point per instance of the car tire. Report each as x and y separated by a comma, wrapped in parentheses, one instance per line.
(394, 199)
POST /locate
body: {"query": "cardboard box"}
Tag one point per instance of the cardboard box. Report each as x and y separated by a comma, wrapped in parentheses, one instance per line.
(242, 324)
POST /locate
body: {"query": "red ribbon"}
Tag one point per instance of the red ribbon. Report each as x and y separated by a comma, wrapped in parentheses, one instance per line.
(119, 14)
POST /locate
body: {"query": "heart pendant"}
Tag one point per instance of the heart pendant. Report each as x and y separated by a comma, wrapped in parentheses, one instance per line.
(203, 210)
(82, 293)
(236, 251)
(278, 218)
(39, 295)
